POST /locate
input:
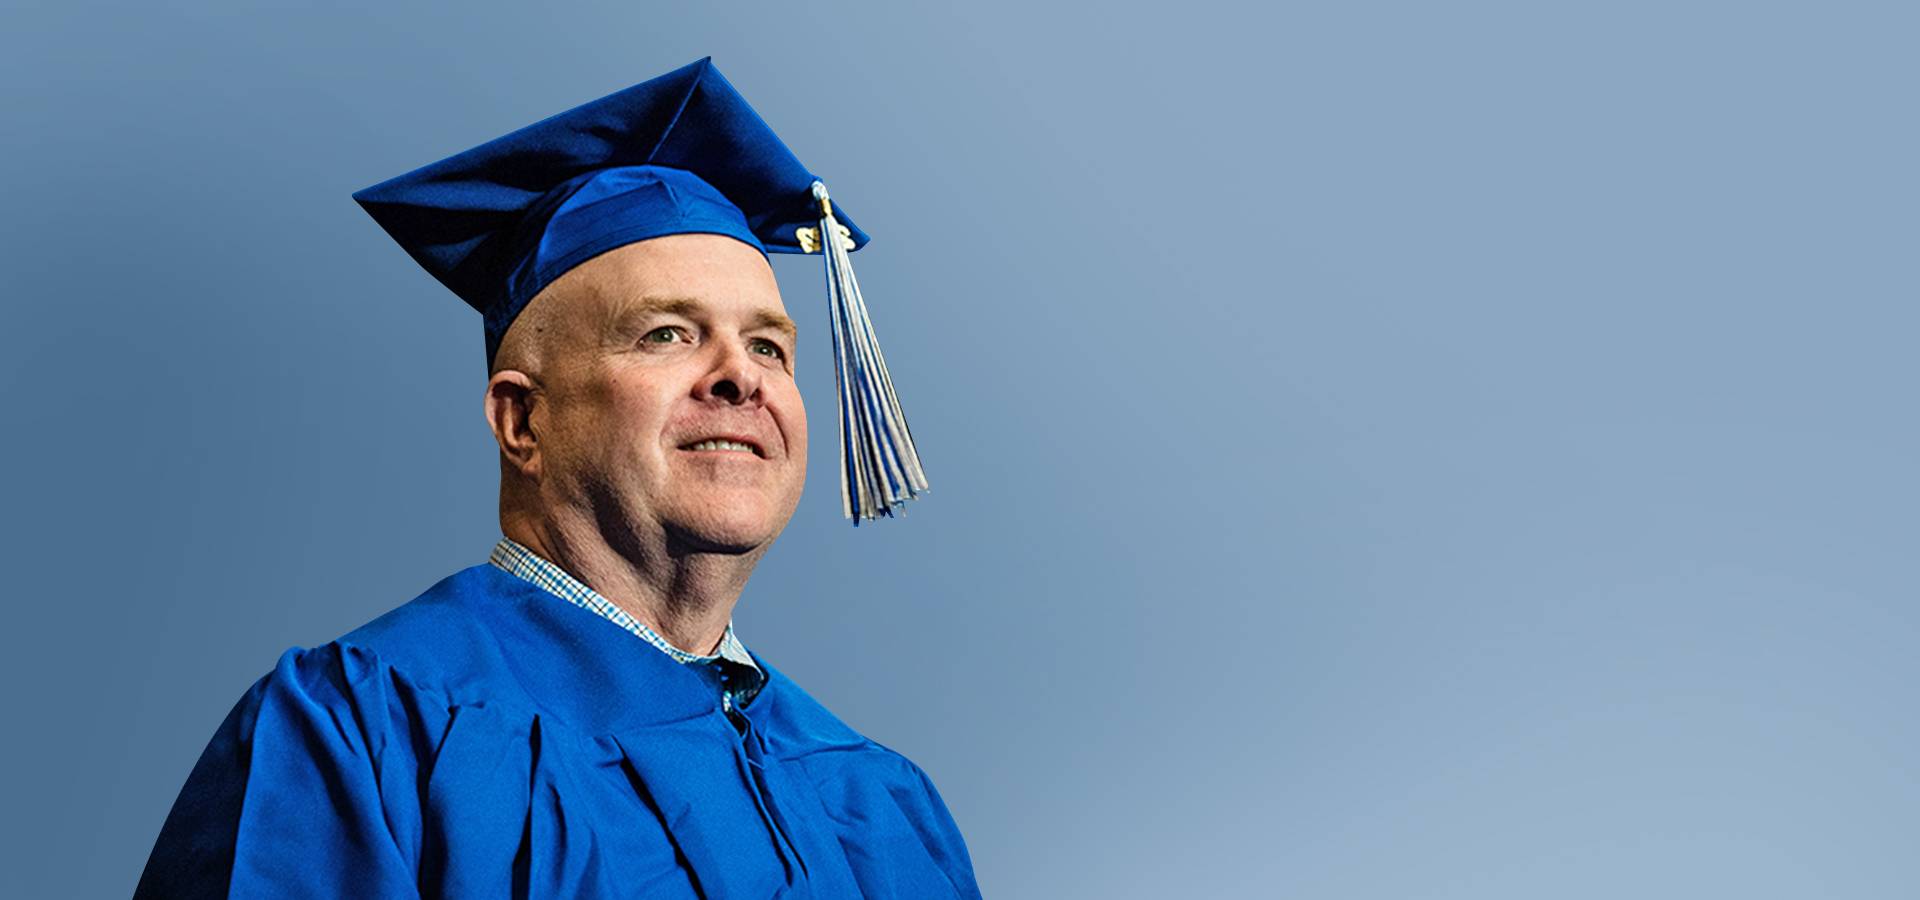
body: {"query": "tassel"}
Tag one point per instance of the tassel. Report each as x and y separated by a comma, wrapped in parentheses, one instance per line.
(879, 468)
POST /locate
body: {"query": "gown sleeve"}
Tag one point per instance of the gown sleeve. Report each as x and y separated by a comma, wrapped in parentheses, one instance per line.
(286, 801)
(941, 836)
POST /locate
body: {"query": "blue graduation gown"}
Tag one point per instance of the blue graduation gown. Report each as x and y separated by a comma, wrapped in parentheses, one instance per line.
(489, 740)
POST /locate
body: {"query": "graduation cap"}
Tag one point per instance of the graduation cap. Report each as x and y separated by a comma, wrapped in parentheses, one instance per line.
(681, 153)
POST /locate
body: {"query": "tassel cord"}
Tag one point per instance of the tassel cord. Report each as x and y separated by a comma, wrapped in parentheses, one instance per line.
(880, 467)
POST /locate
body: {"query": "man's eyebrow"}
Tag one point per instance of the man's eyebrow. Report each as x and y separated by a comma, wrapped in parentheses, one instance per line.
(767, 318)
(628, 313)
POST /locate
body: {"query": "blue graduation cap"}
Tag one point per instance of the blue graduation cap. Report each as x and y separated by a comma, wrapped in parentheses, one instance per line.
(681, 153)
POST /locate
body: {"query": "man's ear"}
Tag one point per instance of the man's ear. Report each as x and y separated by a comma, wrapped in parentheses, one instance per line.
(511, 399)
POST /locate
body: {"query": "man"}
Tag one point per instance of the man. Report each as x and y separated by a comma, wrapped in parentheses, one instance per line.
(576, 717)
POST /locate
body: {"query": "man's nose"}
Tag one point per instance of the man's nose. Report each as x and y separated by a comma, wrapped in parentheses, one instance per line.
(732, 378)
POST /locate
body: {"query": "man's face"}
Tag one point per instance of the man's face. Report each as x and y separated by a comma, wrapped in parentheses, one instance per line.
(671, 354)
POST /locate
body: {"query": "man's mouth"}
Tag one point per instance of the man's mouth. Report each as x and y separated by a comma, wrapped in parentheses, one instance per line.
(726, 445)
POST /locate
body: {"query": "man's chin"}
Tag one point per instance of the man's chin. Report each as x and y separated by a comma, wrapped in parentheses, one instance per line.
(719, 533)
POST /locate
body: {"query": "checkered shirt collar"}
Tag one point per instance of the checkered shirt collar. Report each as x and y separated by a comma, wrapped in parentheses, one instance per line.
(516, 559)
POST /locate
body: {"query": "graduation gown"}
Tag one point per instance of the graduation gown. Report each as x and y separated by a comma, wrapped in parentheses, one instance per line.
(490, 740)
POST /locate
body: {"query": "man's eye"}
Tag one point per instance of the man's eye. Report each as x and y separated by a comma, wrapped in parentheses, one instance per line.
(769, 348)
(665, 334)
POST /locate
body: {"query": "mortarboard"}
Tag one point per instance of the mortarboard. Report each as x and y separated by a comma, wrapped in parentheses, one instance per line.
(681, 153)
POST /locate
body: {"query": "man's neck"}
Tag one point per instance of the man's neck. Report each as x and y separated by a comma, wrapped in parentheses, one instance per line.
(687, 597)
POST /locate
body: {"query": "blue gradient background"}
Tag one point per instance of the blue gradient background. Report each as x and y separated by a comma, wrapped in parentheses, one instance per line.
(1379, 450)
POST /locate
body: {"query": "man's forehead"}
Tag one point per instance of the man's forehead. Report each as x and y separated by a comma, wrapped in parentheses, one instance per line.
(696, 257)
(684, 274)
(680, 263)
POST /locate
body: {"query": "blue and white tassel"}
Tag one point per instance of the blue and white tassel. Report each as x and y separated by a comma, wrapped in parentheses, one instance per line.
(879, 468)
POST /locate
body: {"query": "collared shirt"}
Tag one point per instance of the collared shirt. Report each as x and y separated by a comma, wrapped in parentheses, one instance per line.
(737, 678)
